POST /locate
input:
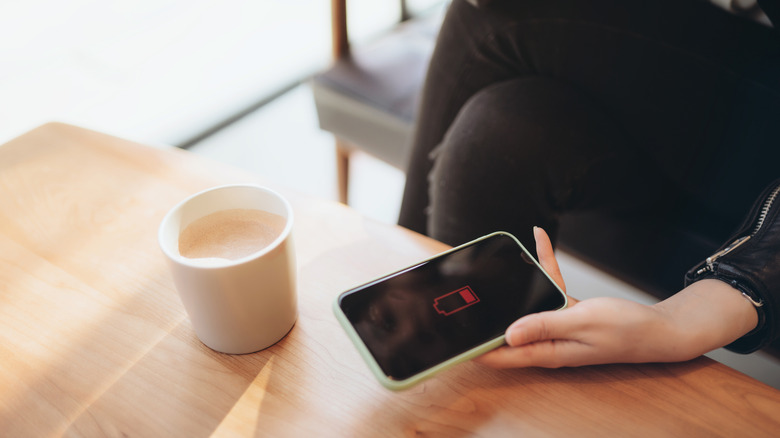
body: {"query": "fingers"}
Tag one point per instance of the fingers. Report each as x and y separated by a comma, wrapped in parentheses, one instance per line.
(544, 250)
(547, 339)
(553, 354)
(543, 326)
(507, 357)
(596, 331)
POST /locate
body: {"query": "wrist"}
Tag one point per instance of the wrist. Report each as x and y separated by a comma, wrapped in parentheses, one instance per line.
(706, 315)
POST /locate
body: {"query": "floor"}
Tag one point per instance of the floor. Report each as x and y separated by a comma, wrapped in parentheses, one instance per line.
(282, 142)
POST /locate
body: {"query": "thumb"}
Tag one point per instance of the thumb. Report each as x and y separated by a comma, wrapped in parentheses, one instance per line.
(544, 326)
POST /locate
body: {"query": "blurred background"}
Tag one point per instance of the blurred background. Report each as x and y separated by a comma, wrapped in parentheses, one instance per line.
(163, 71)
(225, 78)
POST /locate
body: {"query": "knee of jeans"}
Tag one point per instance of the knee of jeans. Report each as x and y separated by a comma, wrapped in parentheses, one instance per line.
(525, 121)
(532, 132)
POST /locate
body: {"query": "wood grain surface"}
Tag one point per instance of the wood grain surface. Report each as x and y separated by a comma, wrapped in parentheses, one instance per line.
(95, 342)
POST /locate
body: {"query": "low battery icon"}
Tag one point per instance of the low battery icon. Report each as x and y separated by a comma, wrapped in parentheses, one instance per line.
(455, 301)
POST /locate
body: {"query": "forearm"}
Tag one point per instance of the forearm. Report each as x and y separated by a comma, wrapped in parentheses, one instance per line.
(704, 316)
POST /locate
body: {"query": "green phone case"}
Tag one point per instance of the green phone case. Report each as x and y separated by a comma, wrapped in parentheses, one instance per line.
(397, 385)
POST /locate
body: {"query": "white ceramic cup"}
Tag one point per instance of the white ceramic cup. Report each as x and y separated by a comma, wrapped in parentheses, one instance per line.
(236, 306)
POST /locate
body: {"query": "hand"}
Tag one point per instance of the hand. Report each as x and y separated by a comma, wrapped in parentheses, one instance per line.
(705, 316)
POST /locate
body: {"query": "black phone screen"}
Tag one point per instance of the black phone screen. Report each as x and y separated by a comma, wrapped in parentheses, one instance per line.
(417, 318)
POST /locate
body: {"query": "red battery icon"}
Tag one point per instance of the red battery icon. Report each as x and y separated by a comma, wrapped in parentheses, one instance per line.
(455, 301)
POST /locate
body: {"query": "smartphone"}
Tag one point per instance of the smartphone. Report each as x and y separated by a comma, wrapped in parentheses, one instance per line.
(416, 322)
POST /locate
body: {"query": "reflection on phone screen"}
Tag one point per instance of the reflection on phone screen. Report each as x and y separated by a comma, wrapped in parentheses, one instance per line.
(431, 312)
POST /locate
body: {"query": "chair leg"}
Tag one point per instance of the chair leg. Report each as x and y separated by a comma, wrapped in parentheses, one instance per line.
(342, 170)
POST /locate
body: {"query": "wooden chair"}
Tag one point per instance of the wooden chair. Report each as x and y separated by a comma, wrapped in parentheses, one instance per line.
(368, 97)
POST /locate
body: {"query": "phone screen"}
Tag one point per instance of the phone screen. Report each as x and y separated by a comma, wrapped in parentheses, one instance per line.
(424, 315)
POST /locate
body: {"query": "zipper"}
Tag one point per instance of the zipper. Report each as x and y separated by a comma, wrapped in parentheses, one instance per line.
(710, 262)
(765, 210)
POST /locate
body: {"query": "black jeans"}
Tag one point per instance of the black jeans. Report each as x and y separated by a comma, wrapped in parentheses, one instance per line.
(533, 108)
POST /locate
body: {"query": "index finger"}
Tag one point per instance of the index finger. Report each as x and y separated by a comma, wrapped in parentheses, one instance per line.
(546, 254)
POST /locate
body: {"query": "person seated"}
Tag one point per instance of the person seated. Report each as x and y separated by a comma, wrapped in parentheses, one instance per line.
(535, 108)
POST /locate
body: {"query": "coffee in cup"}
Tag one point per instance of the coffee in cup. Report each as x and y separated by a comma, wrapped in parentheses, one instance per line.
(230, 234)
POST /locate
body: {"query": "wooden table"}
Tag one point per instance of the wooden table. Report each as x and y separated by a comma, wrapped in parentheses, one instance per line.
(94, 340)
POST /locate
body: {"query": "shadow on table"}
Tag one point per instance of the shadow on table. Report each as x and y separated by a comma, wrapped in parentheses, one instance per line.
(212, 391)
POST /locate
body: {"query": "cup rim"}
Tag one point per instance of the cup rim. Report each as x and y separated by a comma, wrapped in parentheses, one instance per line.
(186, 261)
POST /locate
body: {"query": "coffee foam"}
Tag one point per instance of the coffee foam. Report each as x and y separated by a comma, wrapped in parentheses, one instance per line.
(229, 235)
